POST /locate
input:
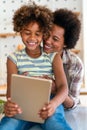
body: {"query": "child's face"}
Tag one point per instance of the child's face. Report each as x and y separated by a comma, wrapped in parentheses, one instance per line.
(32, 36)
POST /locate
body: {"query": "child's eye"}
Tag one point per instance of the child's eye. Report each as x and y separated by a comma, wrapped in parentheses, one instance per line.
(38, 34)
(27, 33)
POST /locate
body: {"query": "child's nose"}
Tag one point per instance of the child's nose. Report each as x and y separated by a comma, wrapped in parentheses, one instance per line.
(33, 36)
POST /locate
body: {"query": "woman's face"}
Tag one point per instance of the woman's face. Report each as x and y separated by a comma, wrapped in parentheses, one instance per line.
(55, 42)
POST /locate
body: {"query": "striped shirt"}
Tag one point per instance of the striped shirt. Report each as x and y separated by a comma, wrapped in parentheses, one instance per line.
(33, 66)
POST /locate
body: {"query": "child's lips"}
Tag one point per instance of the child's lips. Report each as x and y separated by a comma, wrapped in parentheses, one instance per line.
(32, 43)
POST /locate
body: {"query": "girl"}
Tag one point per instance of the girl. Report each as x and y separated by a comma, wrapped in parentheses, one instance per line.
(34, 22)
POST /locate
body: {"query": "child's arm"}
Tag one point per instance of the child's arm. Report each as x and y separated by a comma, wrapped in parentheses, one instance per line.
(11, 69)
(62, 88)
(10, 108)
(60, 81)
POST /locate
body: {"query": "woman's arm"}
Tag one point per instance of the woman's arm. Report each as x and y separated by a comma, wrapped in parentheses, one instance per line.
(75, 73)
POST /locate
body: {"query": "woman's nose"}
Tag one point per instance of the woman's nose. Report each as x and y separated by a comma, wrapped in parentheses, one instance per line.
(48, 40)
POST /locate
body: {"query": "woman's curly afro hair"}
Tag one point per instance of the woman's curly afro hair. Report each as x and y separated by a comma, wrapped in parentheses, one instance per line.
(71, 24)
(33, 13)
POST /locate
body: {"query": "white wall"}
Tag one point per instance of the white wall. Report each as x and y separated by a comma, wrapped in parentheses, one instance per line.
(9, 44)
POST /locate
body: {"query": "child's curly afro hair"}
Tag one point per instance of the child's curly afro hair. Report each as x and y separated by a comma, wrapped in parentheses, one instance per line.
(30, 13)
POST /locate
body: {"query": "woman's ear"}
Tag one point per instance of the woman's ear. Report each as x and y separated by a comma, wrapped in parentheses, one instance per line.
(64, 46)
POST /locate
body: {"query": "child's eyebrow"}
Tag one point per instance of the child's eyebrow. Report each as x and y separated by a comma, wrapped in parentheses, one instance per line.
(25, 29)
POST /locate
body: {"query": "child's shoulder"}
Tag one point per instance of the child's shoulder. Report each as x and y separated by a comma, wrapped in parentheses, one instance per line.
(17, 53)
(52, 55)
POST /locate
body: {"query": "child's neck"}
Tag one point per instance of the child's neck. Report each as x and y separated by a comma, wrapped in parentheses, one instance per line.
(34, 54)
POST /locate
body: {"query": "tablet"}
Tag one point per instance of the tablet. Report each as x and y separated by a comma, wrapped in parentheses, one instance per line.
(30, 94)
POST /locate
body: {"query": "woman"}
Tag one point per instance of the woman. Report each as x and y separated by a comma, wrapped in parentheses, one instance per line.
(64, 36)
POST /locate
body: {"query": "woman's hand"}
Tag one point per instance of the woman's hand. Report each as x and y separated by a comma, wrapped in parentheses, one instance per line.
(54, 89)
(11, 108)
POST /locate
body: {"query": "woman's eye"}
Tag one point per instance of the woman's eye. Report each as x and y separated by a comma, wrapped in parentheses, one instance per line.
(55, 39)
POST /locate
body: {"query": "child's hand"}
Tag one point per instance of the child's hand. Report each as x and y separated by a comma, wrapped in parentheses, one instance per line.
(47, 111)
(11, 108)
(43, 113)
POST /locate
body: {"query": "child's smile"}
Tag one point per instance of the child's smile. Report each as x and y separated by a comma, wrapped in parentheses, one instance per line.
(31, 44)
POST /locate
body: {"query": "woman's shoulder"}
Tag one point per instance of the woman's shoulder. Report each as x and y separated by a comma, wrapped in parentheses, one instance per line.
(73, 59)
(72, 56)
